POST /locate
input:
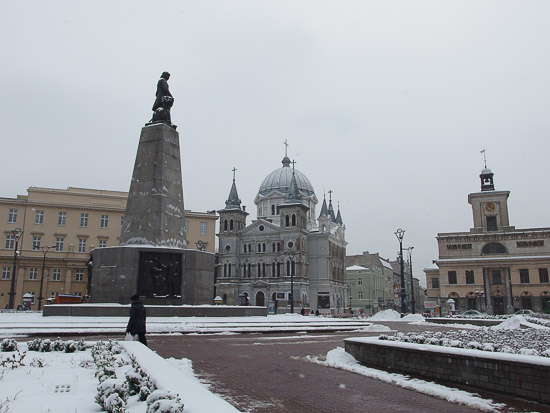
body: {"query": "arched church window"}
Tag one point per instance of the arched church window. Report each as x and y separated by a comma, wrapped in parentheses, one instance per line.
(494, 248)
(272, 209)
(287, 220)
(231, 224)
(259, 270)
(225, 270)
(273, 273)
(293, 220)
(229, 270)
(288, 267)
(225, 225)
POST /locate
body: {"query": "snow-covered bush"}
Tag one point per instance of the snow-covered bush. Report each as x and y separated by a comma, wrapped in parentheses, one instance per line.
(112, 395)
(34, 345)
(69, 346)
(8, 344)
(161, 401)
(105, 372)
(58, 345)
(81, 345)
(45, 346)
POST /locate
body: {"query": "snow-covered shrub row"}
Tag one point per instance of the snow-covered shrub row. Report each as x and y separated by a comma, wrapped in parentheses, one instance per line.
(534, 342)
(46, 345)
(118, 382)
(540, 319)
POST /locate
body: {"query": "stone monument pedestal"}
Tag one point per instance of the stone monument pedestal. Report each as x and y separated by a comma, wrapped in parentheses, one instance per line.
(120, 272)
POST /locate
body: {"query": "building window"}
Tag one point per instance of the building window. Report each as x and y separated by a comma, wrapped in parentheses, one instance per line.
(104, 221)
(59, 244)
(36, 242)
(12, 216)
(452, 277)
(225, 225)
(278, 269)
(62, 219)
(360, 294)
(56, 274)
(272, 209)
(491, 223)
(82, 245)
(470, 277)
(83, 220)
(203, 228)
(39, 217)
(359, 281)
(494, 248)
(287, 221)
(543, 275)
(524, 276)
(6, 273)
(102, 243)
(435, 282)
(33, 273)
(497, 279)
(10, 242)
(79, 275)
(273, 273)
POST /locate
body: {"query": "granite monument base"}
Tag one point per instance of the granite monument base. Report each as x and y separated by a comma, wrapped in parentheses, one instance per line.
(160, 276)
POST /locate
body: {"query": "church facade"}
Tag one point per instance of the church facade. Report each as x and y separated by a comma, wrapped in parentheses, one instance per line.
(493, 268)
(288, 258)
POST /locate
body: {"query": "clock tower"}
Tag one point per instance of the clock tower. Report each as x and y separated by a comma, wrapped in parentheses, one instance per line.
(489, 207)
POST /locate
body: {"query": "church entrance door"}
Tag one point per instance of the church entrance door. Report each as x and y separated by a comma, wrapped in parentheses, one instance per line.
(498, 305)
(260, 299)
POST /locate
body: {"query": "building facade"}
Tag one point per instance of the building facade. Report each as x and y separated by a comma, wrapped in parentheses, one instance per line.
(58, 229)
(285, 251)
(494, 267)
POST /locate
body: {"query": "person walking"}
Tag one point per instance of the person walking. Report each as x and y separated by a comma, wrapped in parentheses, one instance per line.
(138, 316)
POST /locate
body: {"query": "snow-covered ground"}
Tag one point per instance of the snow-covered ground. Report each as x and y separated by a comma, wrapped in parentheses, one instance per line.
(66, 382)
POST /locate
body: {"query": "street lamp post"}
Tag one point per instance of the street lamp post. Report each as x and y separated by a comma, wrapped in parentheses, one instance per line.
(16, 236)
(292, 267)
(45, 250)
(399, 234)
(413, 304)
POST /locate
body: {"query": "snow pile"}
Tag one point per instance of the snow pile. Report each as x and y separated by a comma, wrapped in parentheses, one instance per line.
(513, 323)
(386, 315)
(376, 328)
(414, 319)
(338, 358)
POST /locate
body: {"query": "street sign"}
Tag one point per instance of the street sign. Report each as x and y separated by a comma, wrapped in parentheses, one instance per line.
(430, 304)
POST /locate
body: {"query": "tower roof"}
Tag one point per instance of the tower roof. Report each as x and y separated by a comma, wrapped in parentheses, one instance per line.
(233, 202)
(339, 217)
(324, 208)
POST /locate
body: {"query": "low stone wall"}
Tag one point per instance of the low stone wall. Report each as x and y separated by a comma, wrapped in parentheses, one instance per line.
(527, 377)
(90, 310)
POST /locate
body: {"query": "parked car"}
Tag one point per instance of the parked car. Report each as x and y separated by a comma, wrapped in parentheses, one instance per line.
(524, 312)
(472, 314)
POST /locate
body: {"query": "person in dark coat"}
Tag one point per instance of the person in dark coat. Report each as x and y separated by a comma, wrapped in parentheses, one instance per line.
(138, 315)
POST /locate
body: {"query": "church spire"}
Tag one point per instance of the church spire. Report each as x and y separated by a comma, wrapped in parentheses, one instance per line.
(233, 202)
(330, 207)
(324, 208)
(293, 191)
(339, 217)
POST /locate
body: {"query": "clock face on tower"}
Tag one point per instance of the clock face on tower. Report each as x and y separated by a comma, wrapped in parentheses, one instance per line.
(490, 207)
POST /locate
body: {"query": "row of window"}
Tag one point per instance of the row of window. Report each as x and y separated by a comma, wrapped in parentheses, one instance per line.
(262, 247)
(61, 218)
(59, 243)
(33, 274)
(496, 277)
(261, 269)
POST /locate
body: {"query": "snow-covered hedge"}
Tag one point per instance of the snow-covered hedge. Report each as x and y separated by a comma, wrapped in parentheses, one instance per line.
(535, 342)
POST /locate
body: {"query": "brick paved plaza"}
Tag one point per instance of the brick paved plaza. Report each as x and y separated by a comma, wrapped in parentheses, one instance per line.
(268, 373)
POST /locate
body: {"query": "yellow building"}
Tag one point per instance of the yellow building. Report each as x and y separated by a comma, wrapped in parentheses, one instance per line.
(58, 228)
(494, 267)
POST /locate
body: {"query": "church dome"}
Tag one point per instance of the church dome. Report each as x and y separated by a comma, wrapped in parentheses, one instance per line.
(279, 180)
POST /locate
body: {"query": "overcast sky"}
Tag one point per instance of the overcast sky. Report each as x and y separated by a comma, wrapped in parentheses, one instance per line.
(387, 103)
